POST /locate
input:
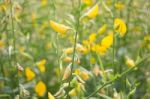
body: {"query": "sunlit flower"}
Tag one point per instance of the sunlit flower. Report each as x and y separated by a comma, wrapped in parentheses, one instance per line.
(107, 41)
(67, 72)
(50, 96)
(119, 5)
(80, 48)
(29, 73)
(68, 50)
(93, 12)
(73, 92)
(67, 59)
(88, 2)
(130, 62)
(40, 88)
(92, 38)
(99, 49)
(41, 65)
(147, 38)
(102, 29)
(2, 44)
(60, 28)
(44, 2)
(120, 26)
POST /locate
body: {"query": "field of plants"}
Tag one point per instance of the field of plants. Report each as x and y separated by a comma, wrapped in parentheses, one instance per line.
(74, 49)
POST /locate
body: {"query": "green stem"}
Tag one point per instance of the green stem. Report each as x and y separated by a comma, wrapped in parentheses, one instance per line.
(14, 44)
(119, 76)
(74, 48)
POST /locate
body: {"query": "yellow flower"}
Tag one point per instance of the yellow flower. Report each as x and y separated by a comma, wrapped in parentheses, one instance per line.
(130, 62)
(44, 2)
(40, 88)
(147, 38)
(67, 72)
(60, 28)
(80, 48)
(99, 49)
(67, 59)
(29, 74)
(93, 12)
(107, 41)
(102, 29)
(50, 96)
(120, 26)
(1, 44)
(73, 92)
(119, 6)
(92, 38)
(88, 2)
(68, 50)
(41, 65)
(84, 75)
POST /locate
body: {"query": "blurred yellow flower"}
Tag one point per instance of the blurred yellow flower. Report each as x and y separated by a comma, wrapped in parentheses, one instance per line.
(50, 96)
(60, 28)
(40, 88)
(41, 65)
(119, 5)
(93, 12)
(80, 48)
(67, 59)
(147, 38)
(107, 41)
(2, 44)
(44, 2)
(67, 72)
(130, 62)
(102, 29)
(68, 50)
(88, 2)
(120, 26)
(92, 38)
(73, 92)
(29, 73)
(84, 75)
(99, 49)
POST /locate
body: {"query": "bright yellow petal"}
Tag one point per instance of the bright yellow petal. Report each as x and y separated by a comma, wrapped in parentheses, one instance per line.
(50, 96)
(88, 2)
(29, 74)
(60, 28)
(93, 12)
(40, 88)
(107, 41)
(120, 26)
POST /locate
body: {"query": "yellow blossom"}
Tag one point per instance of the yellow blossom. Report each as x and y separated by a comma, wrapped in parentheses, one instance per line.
(130, 62)
(50, 96)
(40, 88)
(68, 50)
(80, 48)
(147, 38)
(92, 38)
(119, 6)
(67, 72)
(60, 28)
(88, 2)
(1, 44)
(67, 59)
(84, 75)
(44, 2)
(93, 12)
(41, 65)
(29, 74)
(102, 29)
(73, 92)
(107, 41)
(99, 49)
(120, 26)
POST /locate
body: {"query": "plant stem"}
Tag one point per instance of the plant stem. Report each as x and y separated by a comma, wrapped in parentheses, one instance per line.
(75, 43)
(119, 76)
(14, 44)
